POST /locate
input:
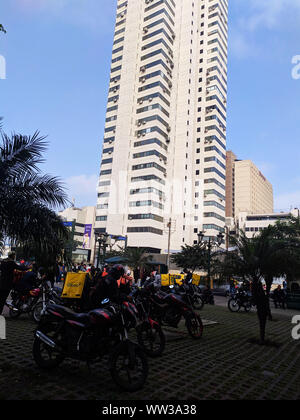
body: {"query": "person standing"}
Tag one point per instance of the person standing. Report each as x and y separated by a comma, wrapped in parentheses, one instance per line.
(189, 276)
(7, 269)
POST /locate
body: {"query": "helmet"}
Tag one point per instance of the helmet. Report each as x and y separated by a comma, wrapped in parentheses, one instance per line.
(117, 271)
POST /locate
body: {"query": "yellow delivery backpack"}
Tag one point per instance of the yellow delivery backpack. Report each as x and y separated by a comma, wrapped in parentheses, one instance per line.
(169, 279)
(74, 285)
(196, 279)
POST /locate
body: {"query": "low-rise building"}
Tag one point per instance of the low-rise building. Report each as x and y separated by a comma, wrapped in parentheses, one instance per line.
(252, 224)
(81, 221)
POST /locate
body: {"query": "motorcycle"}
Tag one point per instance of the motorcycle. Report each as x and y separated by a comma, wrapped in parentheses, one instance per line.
(89, 337)
(169, 308)
(208, 297)
(32, 302)
(239, 300)
(191, 294)
(48, 295)
(149, 333)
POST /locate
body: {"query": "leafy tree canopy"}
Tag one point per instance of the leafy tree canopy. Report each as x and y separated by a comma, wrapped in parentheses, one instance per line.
(191, 257)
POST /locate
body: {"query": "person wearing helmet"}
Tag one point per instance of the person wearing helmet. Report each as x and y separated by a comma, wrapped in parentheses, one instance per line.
(107, 287)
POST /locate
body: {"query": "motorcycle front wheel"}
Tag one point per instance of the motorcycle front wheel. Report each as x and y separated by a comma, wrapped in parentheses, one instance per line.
(36, 312)
(129, 366)
(151, 339)
(194, 325)
(198, 302)
(233, 305)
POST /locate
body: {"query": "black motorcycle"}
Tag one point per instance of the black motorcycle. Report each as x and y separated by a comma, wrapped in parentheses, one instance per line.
(208, 297)
(169, 308)
(191, 294)
(89, 337)
(239, 300)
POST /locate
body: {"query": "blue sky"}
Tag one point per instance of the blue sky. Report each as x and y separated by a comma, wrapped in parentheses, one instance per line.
(58, 56)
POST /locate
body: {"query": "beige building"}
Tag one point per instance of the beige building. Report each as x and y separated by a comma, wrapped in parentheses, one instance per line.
(81, 221)
(253, 192)
(164, 148)
(230, 183)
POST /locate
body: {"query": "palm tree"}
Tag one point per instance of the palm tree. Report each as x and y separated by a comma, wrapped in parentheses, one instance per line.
(28, 199)
(262, 257)
(137, 259)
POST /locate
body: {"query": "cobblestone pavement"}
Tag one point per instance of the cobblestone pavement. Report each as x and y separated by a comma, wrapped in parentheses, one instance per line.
(222, 365)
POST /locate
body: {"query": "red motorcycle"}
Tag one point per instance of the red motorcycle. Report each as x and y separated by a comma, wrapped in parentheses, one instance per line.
(170, 308)
(23, 302)
(32, 302)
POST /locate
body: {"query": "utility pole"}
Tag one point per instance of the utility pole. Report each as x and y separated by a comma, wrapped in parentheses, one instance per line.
(169, 226)
(227, 238)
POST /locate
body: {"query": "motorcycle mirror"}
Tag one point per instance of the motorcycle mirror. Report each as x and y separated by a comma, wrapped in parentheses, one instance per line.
(104, 301)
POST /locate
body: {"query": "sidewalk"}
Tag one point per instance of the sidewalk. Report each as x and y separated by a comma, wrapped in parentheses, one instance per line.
(222, 301)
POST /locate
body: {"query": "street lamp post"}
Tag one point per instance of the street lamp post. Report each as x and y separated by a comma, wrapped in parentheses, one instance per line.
(209, 245)
(102, 243)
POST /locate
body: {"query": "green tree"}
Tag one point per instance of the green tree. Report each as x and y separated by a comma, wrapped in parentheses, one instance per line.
(290, 231)
(137, 258)
(27, 198)
(262, 257)
(2, 29)
(191, 257)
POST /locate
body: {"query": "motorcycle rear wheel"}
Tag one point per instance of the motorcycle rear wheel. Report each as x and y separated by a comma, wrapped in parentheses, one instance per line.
(151, 339)
(129, 366)
(14, 313)
(44, 356)
(247, 307)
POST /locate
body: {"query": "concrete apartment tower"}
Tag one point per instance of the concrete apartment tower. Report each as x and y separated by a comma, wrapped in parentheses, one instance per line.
(164, 150)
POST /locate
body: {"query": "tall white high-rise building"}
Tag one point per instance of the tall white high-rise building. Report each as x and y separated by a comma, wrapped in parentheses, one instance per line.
(164, 152)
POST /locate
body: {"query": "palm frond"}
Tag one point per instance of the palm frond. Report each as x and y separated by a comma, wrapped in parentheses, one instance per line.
(20, 154)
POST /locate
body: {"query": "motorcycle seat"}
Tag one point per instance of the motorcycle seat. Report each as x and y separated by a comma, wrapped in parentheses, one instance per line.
(68, 313)
(161, 297)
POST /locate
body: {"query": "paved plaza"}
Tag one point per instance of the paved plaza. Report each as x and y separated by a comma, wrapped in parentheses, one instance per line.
(223, 365)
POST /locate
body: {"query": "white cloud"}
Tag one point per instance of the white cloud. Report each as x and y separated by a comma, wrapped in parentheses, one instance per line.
(269, 13)
(252, 15)
(83, 188)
